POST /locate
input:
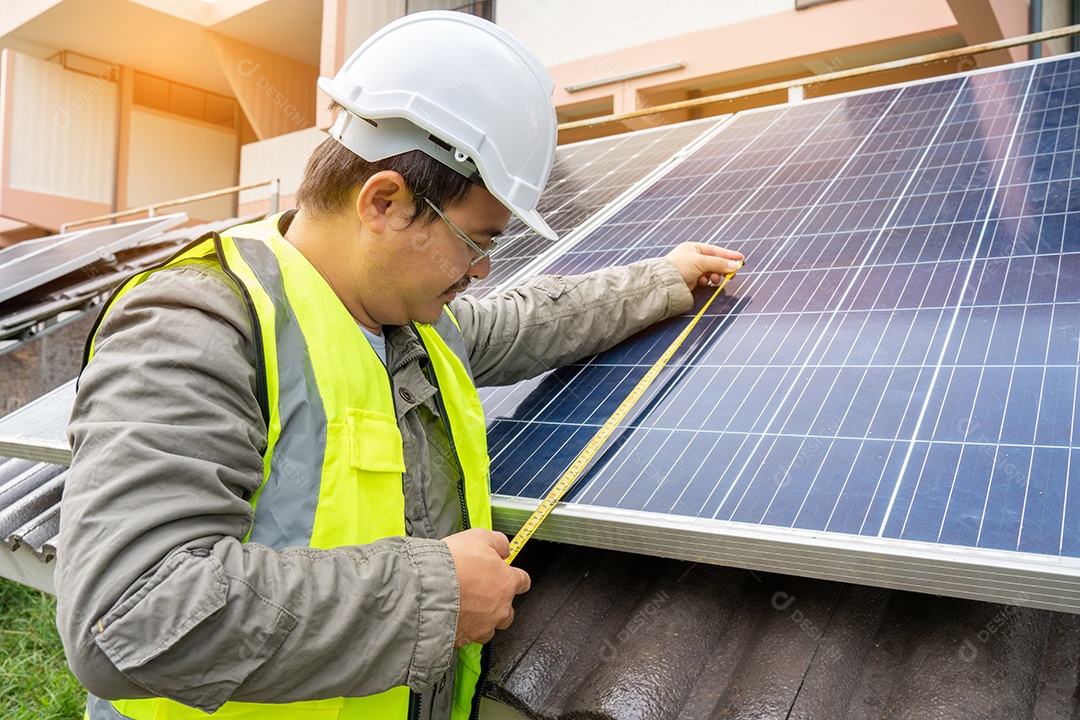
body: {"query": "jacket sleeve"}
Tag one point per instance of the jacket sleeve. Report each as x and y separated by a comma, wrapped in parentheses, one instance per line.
(157, 595)
(549, 321)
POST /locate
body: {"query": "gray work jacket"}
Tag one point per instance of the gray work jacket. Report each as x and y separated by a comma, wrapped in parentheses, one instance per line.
(167, 440)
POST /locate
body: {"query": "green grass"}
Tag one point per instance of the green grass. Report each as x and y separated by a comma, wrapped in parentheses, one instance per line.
(35, 683)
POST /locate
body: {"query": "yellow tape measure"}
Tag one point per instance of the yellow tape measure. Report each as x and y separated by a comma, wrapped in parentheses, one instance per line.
(589, 452)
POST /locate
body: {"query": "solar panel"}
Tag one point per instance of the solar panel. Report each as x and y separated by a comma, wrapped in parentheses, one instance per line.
(30, 264)
(585, 178)
(887, 392)
(22, 317)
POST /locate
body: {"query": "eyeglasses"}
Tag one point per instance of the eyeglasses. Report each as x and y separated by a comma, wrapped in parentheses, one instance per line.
(460, 235)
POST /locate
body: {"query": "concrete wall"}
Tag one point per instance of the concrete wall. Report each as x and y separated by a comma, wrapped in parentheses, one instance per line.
(276, 93)
(63, 131)
(987, 20)
(561, 31)
(746, 52)
(283, 157)
(172, 157)
(1056, 13)
(361, 20)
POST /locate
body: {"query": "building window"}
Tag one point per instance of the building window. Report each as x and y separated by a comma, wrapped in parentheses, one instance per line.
(180, 99)
(479, 8)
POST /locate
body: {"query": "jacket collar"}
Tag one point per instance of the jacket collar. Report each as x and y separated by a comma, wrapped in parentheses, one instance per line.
(403, 346)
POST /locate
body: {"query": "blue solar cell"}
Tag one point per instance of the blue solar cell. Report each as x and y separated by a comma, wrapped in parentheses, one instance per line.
(1005, 505)
(1045, 502)
(967, 496)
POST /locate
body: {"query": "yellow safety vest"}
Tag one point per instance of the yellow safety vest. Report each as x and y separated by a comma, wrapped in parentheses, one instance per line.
(322, 379)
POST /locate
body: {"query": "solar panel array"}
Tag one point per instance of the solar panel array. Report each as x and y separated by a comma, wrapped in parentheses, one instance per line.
(44, 296)
(887, 392)
(30, 264)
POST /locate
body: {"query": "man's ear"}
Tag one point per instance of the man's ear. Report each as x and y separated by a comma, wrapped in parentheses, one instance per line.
(383, 197)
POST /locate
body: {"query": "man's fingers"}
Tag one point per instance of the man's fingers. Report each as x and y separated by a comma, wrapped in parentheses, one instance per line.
(493, 539)
(524, 581)
(717, 251)
(486, 584)
(715, 270)
(713, 259)
(506, 621)
(500, 542)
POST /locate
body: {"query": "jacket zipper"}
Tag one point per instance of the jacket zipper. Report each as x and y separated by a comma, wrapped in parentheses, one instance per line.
(434, 380)
(474, 714)
(485, 660)
(415, 701)
(465, 524)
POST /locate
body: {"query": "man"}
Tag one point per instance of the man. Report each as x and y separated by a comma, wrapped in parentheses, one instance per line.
(278, 500)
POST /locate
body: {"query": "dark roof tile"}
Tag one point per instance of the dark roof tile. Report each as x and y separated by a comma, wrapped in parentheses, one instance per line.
(612, 635)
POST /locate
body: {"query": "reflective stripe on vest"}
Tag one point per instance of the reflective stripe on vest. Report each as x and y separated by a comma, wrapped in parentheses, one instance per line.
(332, 469)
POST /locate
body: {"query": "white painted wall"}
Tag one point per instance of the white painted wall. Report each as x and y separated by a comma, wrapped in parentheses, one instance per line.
(173, 158)
(282, 157)
(1056, 14)
(14, 13)
(362, 19)
(561, 31)
(63, 131)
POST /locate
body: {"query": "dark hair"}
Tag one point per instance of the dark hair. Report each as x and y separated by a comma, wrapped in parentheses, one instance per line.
(333, 171)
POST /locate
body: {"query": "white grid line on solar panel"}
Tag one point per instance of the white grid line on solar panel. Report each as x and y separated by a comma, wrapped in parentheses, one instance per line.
(577, 175)
(948, 504)
(810, 244)
(1002, 161)
(594, 167)
(519, 433)
(680, 192)
(996, 477)
(683, 197)
(601, 216)
(970, 419)
(1041, 376)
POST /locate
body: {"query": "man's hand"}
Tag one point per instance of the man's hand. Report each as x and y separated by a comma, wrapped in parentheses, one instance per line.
(487, 584)
(701, 264)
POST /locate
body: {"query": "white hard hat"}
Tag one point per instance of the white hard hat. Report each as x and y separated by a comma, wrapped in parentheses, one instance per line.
(460, 89)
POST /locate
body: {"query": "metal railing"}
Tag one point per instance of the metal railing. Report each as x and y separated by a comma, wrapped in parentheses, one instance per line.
(795, 87)
(151, 210)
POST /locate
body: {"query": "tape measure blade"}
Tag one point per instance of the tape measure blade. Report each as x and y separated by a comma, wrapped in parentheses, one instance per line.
(600, 440)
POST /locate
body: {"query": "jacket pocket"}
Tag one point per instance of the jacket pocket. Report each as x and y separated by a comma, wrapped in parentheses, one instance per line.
(180, 595)
(554, 286)
(192, 633)
(371, 444)
(374, 441)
